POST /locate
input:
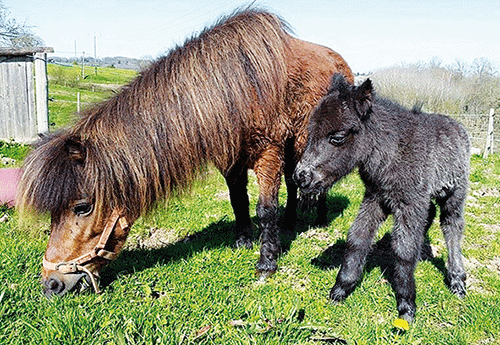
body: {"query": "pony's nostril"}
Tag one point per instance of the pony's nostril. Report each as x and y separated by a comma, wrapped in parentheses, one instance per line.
(54, 286)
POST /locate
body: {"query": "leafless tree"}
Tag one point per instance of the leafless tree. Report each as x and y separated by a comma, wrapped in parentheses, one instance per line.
(15, 34)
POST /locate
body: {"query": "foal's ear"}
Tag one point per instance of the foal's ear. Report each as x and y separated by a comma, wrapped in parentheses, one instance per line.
(363, 97)
(339, 84)
(75, 150)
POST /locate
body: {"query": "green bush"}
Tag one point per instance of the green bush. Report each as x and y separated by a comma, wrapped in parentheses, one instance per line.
(14, 151)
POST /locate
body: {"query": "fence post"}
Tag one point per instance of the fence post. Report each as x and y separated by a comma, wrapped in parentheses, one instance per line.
(42, 109)
(489, 135)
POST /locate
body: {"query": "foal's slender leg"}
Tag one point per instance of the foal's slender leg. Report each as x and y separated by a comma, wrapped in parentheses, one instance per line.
(452, 225)
(268, 171)
(426, 251)
(407, 239)
(237, 180)
(359, 240)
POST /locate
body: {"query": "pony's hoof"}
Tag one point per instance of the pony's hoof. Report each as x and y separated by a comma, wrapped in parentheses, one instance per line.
(263, 275)
(408, 317)
(265, 268)
(243, 242)
(457, 284)
(321, 222)
(407, 310)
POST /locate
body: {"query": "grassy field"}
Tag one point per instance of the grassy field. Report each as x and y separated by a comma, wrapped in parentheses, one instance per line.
(180, 281)
(66, 82)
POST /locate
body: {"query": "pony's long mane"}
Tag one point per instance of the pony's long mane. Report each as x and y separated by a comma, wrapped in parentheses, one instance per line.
(187, 109)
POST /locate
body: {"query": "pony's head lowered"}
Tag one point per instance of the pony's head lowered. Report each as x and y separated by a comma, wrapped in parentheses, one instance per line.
(85, 234)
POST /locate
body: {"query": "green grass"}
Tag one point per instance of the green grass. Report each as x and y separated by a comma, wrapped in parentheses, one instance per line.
(180, 281)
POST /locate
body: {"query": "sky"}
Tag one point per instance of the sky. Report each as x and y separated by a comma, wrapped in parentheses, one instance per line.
(369, 34)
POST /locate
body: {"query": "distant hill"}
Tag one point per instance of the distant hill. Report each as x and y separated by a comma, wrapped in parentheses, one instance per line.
(117, 62)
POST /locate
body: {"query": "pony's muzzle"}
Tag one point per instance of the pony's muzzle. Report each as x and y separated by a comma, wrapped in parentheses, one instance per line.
(307, 177)
(53, 286)
(57, 284)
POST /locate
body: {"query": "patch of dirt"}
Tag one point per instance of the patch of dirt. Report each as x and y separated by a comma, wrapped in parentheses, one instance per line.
(291, 275)
(492, 265)
(156, 238)
(494, 228)
(486, 192)
(316, 234)
(223, 195)
(475, 284)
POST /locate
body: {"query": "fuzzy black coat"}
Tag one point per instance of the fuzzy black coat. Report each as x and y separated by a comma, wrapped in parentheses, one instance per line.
(407, 160)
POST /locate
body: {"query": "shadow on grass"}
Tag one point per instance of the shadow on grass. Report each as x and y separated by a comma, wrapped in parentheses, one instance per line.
(216, 235)
(219, 234)
(335, 206)
(381, 255)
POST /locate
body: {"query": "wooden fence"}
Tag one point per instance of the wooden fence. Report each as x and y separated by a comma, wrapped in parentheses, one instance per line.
(484, 131)
(23, 108)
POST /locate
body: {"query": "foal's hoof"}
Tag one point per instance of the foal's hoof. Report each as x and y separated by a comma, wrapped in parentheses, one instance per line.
(458, 288)
(266, 267)
(338, 294)
(263, 275)
(407, 310)
(243, 242)
(408, 317)
(321, 222)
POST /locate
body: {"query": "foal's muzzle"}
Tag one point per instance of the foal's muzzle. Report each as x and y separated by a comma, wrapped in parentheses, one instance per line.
(303, 178)
(308, 179)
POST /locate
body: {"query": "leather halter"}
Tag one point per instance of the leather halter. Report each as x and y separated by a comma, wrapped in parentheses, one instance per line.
(99, 251)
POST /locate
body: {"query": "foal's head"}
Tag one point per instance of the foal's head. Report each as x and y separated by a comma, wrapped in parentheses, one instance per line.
(336, 142)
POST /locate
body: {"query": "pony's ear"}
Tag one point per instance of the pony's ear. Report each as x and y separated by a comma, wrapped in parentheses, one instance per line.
(75, 150)
(363, 99)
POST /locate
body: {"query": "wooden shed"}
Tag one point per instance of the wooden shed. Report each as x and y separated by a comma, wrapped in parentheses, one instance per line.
(23, 109)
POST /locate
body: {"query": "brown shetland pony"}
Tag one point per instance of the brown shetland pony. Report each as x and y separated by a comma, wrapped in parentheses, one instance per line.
(239, 96)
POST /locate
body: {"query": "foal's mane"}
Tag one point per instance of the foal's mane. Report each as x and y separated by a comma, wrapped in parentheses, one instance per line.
(149, 141)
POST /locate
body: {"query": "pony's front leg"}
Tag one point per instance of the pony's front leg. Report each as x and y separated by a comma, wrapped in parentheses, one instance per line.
(359, 240)
(237, 180)
(268, 171)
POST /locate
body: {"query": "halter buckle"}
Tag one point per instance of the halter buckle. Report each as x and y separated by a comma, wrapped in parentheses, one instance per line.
(67, 267)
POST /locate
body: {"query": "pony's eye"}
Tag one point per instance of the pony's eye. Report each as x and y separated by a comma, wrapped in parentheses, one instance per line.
(83, 209)
(338, 138)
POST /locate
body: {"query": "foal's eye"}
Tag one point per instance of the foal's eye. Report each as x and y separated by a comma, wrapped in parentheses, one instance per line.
(83, 209)
(338, 138)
